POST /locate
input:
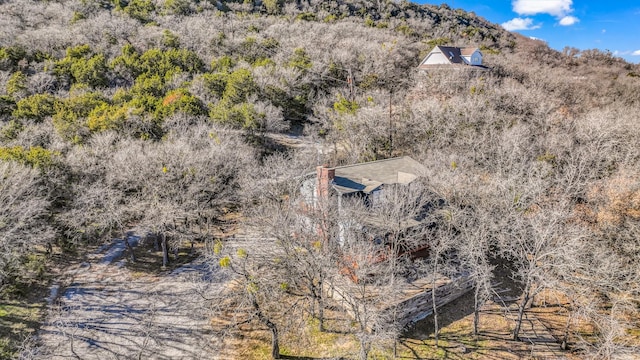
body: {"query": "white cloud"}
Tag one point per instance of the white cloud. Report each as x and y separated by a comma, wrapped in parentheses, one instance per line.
(636, 53)
(560, 9)
(520, 24)
(568, 20)
(557, 8)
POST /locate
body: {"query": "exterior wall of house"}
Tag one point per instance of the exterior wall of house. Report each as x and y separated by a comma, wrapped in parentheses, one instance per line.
(474, 59)
(436, 58)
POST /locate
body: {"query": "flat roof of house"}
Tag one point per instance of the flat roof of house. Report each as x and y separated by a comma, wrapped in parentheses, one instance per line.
(367, 177)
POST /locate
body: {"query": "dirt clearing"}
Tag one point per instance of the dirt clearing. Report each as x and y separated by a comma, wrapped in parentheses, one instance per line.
(106, 311)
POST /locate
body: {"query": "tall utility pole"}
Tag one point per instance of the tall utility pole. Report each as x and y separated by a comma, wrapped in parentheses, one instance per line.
(390, 126)
(352, 92)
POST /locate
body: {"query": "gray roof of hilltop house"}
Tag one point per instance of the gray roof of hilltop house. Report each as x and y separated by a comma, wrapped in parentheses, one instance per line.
(367, 177)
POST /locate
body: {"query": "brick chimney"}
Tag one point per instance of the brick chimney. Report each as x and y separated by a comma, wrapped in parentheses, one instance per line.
(325, 177)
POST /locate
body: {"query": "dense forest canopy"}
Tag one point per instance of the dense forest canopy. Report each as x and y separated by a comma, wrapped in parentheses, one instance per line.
(115, 114)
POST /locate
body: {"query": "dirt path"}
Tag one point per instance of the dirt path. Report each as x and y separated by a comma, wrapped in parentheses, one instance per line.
(108, 312)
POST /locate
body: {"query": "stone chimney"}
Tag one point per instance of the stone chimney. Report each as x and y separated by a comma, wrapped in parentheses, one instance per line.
(325, 177)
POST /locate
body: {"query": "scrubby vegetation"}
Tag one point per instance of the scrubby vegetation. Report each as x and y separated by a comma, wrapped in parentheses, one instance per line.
(157, 114)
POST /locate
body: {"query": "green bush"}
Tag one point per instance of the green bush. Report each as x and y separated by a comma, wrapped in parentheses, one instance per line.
(170, 40)
(140, 10)
(216, 83)
(144, 104)
(77, 16)
(148, 84)
(179, 100)
(35, 107)
(81, 66)
(240, 85)
(107, 117)
(92, 71)
(405, 30)
(7, 105)
(35, 156)
(263, 62)
(306, 16)
(273, 6)
(177, 7)
(169, 62)
(17, 84)
(234, 89)
(300, 60)
(70, 117)
(369, 81)
(164, 63)
(127, 61)
(344, 106)
(368, 21)
(438, 42)
(243, 115)
(293, 107)
(11, 56)
(331, 18)
(223, 64)
(11, 130)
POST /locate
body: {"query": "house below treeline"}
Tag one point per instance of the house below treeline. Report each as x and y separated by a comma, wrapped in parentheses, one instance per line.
(364, 182)
(372, 186)
(451, 56)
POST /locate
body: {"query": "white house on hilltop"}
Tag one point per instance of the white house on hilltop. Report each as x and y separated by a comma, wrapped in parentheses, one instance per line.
(449, 55)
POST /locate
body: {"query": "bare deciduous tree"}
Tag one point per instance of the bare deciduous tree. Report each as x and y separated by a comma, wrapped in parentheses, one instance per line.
(24, 211)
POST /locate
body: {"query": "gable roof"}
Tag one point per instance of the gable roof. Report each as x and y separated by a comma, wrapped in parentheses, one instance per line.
(452, 54)
(367, 177)
(468, 51)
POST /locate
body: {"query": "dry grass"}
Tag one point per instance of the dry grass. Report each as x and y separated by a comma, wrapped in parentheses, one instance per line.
(456, 337)
(18, 321)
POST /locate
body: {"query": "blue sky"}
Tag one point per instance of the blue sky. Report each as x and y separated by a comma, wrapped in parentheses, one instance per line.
(612, 25)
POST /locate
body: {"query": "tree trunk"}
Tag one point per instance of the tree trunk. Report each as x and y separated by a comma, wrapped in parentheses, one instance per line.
(521, 308)
(476, 310)
(132, 255)
(165, 251)
(275, 345)
(275, 348)
(433, 298)
(565, 338)
(364, 348)
(320, 307)
(435, 313)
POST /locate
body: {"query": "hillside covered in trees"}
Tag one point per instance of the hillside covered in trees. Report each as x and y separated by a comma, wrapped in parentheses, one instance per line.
(165, 116)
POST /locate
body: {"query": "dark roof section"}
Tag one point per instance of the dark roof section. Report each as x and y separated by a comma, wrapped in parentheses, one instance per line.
(452, 53)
